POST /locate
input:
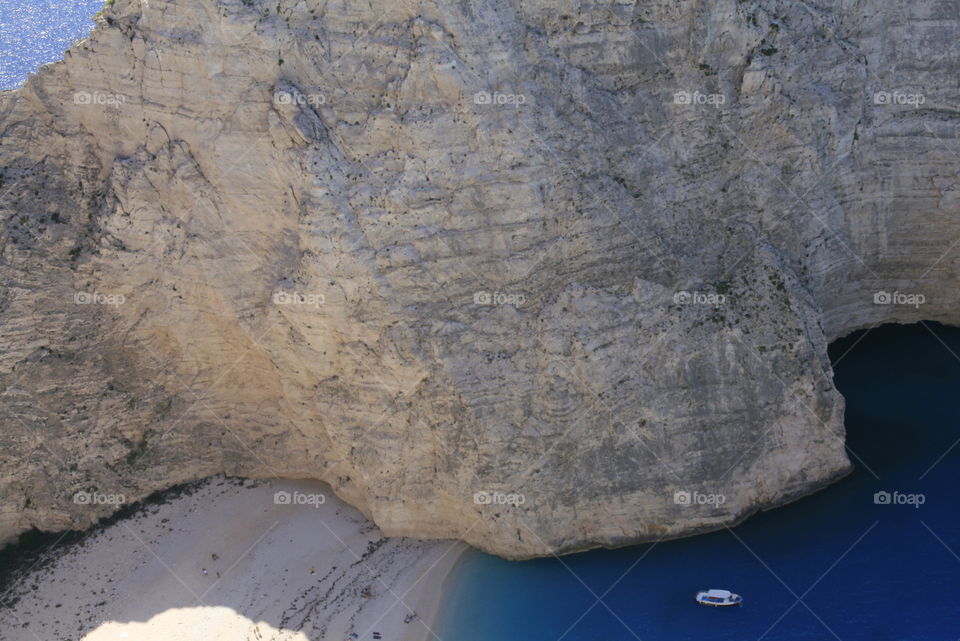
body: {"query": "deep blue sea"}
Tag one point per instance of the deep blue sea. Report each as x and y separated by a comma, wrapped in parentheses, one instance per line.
(35, 32)
(835, 565)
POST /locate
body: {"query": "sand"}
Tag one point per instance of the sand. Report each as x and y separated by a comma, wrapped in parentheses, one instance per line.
(274, 571)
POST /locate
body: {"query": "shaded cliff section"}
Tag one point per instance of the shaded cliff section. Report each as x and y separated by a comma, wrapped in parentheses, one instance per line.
(588, 257)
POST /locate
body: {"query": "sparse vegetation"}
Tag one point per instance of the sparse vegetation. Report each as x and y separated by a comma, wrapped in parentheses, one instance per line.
(106, 5)
(136, 452)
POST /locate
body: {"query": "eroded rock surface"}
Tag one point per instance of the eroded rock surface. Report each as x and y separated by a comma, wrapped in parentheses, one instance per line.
(588, 254)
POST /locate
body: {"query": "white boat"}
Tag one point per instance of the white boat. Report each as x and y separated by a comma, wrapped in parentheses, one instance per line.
(718, 598)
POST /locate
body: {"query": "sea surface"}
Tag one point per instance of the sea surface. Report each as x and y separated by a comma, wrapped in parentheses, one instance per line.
(35, 32)
(834, 566)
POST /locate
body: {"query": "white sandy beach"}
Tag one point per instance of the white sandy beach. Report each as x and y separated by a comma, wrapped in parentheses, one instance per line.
(291, 572)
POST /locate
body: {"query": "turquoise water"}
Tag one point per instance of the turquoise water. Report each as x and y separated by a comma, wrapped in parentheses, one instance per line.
(35, 32)
(863, 570)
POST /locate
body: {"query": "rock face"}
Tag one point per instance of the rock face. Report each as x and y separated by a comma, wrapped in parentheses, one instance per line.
(529, 273)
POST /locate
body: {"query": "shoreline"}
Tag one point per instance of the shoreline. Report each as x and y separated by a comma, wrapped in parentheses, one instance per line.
(231, 561)
(450, 574)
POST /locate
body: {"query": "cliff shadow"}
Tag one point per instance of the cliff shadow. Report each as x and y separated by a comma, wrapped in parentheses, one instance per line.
(225, 558)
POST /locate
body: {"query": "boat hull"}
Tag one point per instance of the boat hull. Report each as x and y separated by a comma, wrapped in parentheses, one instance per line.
(718, 598)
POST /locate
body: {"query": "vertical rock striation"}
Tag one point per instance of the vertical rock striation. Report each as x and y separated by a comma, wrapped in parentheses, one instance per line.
(438, 254)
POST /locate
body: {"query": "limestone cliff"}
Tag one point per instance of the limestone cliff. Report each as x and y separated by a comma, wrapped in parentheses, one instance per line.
(437, 254)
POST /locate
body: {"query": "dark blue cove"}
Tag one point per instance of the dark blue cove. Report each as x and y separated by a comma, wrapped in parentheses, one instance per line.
(35, 32)
(855, 561)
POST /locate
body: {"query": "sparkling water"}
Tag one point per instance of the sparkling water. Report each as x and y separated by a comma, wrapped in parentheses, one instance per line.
(35, 32)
